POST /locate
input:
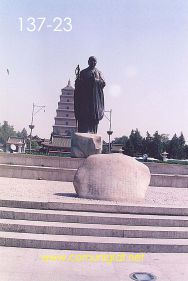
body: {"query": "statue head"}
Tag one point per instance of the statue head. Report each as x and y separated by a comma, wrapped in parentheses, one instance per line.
(92, 61)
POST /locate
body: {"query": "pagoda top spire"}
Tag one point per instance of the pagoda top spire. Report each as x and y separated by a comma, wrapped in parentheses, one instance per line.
(69, 83)
(68, 87)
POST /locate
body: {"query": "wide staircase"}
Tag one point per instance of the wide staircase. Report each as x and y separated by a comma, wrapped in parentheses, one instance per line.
(93, 226)
(89, 225)
(168, 175)
(38, 167)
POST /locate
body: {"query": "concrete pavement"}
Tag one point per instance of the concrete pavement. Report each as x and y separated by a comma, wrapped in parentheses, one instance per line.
(25, 264)
(20, 264)
(46, 191)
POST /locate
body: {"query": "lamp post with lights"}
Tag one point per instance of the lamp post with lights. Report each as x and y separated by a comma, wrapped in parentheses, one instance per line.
(35, 110)
(109, 132)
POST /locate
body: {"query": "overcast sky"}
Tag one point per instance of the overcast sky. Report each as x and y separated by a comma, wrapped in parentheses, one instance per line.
(141, 47)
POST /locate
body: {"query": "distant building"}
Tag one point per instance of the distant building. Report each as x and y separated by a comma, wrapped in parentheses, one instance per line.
(65, 122)
(15, 144)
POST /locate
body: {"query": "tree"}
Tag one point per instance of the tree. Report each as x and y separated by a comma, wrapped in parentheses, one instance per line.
(186, 151)
(147, 144)
(154, 145)
(22, 134)
(133, 145)
(122, 140)
(105, 149)
(129, 148)
(157, 146)
(136, 140)
(181, 147)
(177, 148)
(6, 131)
(173, 147)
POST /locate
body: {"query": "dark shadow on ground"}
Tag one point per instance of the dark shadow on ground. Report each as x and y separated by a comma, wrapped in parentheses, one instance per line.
(67, 194)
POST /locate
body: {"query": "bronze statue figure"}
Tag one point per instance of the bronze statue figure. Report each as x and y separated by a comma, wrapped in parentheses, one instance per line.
(89, 97)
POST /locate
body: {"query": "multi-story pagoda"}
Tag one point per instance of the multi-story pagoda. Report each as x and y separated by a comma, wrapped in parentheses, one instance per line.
(65, 122)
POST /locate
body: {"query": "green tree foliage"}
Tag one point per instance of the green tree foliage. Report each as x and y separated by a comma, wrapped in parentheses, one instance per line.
(173, 147)
(136, 141)
(186, 151)
(177, 148)
(22, 134)
(157, 145)
(154, 146)
(133, 145)
(147, 144)
(129, 148)
(122, 140)
(181, 147)
(7, 130)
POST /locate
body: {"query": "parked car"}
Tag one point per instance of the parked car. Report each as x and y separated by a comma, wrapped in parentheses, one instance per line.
(148, 159)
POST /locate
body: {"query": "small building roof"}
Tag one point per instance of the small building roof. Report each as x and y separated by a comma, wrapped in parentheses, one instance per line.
(15, 140)
(59, 142)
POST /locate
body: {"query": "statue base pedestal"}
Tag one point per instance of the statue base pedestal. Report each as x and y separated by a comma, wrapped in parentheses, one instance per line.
(85, 144)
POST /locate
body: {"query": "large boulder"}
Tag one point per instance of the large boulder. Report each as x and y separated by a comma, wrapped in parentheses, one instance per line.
(114, 177)
(85, 144)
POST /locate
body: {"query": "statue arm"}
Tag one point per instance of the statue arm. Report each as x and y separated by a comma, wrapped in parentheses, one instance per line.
(101, 80)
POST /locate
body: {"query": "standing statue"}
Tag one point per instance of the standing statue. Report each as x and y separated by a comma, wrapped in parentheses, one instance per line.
(89, 97)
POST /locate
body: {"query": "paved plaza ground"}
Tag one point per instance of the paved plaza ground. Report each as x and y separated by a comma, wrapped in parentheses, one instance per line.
(27, 265)
(19, 264)
(48, 191)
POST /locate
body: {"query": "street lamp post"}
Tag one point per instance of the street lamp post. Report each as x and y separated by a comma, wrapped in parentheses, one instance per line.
(31, 126)
(109, 132)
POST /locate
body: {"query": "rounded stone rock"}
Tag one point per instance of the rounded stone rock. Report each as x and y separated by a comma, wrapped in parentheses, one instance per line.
(113, 177)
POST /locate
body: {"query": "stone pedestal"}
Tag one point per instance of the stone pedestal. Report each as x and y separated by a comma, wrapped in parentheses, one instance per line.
(115, 177)
(85, 144)
(19, 148)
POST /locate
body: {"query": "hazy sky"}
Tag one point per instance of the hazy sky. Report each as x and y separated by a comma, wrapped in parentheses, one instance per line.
(141, 47)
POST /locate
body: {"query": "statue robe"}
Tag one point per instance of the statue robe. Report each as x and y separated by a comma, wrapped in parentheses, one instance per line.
(89, 100)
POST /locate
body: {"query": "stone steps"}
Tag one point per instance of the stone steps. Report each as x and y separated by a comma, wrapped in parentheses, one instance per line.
(169, 180)
(37, 172)
(91, 243)
(93, 218)
(80, 229)
(87, 229)
(75, 163)
(64, 168)
(78, 204)
(67, 174)
(169, 169)
(40, 160)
